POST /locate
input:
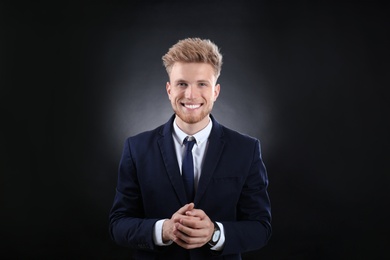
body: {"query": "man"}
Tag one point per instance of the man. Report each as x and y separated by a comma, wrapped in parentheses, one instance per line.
(176, 201)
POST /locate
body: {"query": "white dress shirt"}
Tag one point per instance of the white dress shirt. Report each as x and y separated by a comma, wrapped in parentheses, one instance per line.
(198, 152)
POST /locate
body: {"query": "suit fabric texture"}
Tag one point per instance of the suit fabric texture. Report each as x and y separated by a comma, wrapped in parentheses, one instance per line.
(232, 190)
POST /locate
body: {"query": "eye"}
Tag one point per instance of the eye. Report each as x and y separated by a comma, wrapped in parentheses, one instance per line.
(182, 84)
(203, 84)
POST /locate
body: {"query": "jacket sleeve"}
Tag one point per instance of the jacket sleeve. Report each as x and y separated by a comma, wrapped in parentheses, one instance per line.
(252, 229)
(127, 223)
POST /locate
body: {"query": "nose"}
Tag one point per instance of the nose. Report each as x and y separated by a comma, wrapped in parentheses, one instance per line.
(190, 92)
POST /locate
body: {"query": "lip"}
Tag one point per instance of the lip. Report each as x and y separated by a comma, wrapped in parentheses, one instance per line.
(191, 106)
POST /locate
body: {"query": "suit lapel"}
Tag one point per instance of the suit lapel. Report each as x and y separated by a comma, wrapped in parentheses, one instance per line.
(170, 160)
(212, 156)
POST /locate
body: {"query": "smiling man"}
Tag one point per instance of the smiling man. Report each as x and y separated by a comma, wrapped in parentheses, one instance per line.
(191, 188)
(192, 94)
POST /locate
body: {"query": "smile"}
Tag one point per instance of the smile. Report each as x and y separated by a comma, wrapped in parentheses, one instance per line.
(192, 106)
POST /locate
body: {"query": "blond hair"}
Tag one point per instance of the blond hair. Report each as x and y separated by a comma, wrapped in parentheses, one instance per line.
(194, 50)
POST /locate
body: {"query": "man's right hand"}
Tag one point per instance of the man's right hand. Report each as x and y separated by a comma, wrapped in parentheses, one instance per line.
(169, 225)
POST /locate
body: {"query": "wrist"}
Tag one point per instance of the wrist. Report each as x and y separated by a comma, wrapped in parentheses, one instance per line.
(215, 236)
(164, 232)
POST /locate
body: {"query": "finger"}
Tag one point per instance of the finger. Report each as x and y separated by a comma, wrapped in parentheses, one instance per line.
(188, 242)
(185, 208)
(184, 232)
(196, 213)
(191, 232)
(183, 219)
(187, 245)
(192, 222)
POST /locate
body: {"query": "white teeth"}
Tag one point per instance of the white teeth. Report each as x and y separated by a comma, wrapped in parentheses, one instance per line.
(192, 106)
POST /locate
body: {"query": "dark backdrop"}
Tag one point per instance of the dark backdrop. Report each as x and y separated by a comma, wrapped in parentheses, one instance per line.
(308, 79)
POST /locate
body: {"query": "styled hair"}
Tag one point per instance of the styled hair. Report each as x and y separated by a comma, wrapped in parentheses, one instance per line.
(194, 50)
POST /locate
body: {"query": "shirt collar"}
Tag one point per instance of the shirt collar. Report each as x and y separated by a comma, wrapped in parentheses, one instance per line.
(200, 136)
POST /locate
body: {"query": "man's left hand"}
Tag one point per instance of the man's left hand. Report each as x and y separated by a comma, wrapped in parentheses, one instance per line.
(194, 232)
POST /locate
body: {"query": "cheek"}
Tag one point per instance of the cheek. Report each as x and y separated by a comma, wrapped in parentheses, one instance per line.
(173, 98)
(210, 96)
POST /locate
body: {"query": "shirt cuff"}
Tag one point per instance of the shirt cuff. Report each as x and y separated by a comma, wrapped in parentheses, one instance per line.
(221, 241)
(157, 234)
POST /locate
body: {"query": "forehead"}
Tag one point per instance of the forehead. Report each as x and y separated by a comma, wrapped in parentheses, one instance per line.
(192, 71)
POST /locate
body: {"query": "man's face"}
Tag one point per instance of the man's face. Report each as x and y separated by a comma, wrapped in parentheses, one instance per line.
(192, 91)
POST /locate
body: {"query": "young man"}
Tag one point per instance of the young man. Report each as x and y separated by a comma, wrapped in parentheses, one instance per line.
(191, 188)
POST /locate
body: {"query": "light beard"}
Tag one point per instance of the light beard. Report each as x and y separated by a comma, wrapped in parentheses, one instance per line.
(191, 119)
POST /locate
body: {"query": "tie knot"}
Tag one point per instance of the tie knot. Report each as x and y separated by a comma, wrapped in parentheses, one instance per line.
(189, 143)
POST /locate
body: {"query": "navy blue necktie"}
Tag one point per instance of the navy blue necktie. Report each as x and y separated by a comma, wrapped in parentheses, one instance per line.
(187, 170)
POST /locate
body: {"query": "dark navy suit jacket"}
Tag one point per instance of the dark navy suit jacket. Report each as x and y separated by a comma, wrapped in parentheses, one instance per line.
(232, 190)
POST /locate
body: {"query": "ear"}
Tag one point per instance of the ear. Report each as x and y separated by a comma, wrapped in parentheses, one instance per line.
(217, 89)
(168, 88)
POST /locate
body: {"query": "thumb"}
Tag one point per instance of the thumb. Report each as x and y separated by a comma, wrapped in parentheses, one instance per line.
(185, 208)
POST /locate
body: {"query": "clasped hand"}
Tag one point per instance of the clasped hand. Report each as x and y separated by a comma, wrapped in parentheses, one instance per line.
(188, 227)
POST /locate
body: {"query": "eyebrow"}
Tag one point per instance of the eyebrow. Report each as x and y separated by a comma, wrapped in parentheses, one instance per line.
(198, 81)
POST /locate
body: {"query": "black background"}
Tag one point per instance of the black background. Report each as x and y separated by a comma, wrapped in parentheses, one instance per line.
(309, 79)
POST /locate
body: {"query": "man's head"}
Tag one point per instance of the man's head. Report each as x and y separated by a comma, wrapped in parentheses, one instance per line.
(194, 50)
(193, 66)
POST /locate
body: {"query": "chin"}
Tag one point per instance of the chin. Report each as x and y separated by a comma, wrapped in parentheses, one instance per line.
(191, 119)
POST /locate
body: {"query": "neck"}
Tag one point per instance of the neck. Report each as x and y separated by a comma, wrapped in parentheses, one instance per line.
(191, 129)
